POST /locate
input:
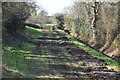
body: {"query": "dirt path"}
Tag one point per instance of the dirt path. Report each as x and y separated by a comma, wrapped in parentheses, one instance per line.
(56, 57)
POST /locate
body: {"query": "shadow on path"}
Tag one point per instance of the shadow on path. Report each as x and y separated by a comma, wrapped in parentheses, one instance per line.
(56, 57)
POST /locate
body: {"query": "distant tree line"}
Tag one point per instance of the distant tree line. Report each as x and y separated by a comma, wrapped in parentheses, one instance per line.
(39, 17)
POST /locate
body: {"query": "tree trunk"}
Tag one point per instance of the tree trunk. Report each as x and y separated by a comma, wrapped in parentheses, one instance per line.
(112, 34)
(110, 37)
(113, 53)
(93, 40)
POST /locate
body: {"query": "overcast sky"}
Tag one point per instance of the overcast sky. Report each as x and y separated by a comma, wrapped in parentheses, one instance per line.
(54, 6)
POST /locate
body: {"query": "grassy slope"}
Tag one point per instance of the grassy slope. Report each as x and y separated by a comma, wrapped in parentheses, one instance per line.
(110, 62)
(44, 60)
(50, 24)
(33, 32)
(14, 55)
(14, 58)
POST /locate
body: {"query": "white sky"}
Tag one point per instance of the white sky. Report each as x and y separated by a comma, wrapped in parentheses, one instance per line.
(54, 6)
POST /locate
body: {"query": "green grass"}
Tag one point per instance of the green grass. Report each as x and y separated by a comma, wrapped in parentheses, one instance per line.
(53, 24)
(38, 58)
(14, 55)
(33, 31)
(50, 24)
(14, 58)
(110, 62)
